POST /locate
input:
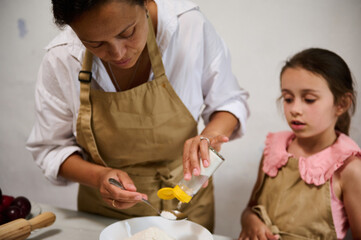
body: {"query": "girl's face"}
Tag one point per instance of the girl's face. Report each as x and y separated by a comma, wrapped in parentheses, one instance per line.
(116, 32)
(308, 103)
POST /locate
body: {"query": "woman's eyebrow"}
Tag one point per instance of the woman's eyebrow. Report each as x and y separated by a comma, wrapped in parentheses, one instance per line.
(125, 29)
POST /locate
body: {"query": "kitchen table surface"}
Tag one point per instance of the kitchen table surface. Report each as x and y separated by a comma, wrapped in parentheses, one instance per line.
(71, 224)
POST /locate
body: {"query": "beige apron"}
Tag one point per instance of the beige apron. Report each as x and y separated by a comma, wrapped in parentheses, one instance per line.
(294, 209)
(142, 132)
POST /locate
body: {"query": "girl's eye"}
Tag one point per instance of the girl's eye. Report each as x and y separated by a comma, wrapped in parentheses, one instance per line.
(310, 100)
(287, 100)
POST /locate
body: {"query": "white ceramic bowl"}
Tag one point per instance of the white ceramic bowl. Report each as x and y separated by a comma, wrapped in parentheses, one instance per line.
(179, 230)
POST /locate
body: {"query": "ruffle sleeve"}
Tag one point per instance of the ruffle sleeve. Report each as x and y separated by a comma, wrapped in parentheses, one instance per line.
(275, 152)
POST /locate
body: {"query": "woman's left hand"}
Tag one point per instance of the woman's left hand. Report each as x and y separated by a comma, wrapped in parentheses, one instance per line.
(196, 149)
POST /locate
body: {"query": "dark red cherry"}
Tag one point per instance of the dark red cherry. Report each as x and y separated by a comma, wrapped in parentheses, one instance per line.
(24, 204)
(12, 213)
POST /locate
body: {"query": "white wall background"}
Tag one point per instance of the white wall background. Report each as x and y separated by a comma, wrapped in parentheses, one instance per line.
(261, 34)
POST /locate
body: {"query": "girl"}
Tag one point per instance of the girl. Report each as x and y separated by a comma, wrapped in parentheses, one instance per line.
(308, 185)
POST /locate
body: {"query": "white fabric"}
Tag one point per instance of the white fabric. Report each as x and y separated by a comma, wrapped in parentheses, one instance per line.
(196, 60)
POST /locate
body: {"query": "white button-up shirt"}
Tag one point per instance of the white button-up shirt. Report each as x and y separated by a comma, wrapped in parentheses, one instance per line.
(196, 61)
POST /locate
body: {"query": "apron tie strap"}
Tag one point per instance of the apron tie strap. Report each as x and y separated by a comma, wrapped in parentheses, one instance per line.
(261, 211)
(164, 172)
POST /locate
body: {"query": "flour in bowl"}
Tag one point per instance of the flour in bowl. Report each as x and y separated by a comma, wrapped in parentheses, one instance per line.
(151, 233)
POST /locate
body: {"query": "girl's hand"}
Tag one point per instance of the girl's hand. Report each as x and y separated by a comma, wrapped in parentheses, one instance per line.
(254, 228)
(196, 148)
(115, 196)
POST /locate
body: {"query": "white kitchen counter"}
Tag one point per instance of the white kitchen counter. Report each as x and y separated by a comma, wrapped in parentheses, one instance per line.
(70, 224)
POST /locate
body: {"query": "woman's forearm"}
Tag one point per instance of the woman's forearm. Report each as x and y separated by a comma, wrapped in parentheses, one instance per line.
(221, 123)
(76, 169)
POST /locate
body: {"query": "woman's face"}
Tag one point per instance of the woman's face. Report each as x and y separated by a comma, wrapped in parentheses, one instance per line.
(116, 32)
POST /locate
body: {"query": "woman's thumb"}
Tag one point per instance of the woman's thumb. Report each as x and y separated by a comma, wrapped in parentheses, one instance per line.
(218, 141)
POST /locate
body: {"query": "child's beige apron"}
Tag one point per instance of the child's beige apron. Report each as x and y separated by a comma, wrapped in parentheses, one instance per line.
(142, 132)
(294, 209)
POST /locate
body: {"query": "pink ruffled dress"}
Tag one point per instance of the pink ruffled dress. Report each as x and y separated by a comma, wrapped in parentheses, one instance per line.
(315, 169)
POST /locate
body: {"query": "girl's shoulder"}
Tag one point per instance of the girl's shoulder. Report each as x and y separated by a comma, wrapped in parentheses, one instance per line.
(347, 153)
(351, 170)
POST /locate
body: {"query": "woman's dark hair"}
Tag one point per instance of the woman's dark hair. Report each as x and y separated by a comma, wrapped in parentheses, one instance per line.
(335, 71)
(65, 11)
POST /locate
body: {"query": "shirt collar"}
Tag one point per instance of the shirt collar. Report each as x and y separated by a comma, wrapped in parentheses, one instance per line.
(72, 43)
(168, 14)
(315, 169)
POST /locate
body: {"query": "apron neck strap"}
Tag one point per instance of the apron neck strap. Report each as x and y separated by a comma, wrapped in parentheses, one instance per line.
(85, 75)
(153, 50)
(85, 109)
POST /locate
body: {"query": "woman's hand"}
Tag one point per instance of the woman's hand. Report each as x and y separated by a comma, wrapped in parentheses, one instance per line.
(115, 196)
(220, 127)
(254, 228)
(96, 176)
(196, 148)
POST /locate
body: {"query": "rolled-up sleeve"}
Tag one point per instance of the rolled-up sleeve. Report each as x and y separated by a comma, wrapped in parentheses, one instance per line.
(220, 87)
(52, 138)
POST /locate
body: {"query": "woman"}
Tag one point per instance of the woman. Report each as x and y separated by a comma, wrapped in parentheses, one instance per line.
(136, 120)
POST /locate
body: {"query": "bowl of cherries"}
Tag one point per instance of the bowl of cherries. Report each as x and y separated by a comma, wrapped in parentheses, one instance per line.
(12, 208)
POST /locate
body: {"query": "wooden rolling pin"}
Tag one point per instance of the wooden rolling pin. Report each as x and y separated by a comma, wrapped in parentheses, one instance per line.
(21, 228)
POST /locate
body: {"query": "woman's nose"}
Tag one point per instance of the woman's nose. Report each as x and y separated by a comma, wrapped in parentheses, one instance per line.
(117, 50)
